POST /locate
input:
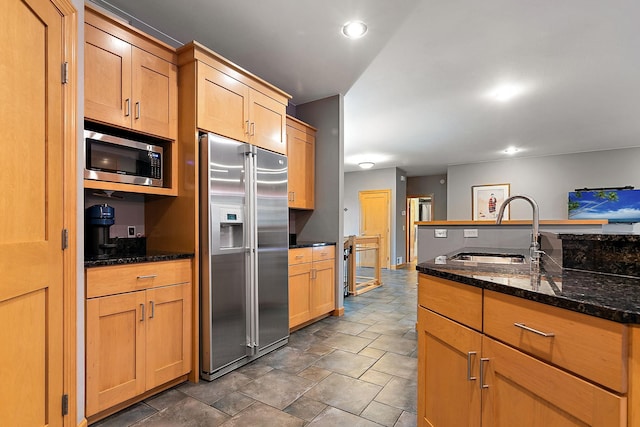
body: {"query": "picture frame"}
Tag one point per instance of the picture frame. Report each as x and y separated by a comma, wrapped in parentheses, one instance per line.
(486, 201)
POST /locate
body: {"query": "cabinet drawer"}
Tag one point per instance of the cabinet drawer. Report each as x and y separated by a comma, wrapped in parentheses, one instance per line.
(115, 279)
(300, 255)
(462, 303)
(591, 347)
(321, 253)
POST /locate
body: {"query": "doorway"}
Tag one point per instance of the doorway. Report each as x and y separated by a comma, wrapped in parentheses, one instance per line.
(419, 208)
(375, 217)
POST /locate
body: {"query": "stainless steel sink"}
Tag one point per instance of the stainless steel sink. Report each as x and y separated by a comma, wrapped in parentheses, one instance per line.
(489, 258)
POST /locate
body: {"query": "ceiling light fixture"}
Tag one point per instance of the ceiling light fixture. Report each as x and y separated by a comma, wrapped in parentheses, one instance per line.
(366, 165)
(511, 150)
(506, 92)
(354, 29)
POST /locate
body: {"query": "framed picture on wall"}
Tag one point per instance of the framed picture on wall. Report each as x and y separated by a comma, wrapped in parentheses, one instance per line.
(486, 201)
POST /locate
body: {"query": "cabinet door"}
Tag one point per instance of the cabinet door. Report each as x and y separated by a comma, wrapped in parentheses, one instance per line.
(168, 333)
(301, 155)
(107, 78)
(527, 392)
(223, 104)
(115, 349)
(323, 289)
(299, 296)
(448, 371)
(154, 94)
(268, 123)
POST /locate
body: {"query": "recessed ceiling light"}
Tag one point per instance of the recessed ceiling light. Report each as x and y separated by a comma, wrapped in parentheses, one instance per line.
(511, 150)
(506, 92)
(366, 165)
(354, 29)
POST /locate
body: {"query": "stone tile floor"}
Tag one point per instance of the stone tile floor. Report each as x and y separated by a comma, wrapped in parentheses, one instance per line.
(356, 370)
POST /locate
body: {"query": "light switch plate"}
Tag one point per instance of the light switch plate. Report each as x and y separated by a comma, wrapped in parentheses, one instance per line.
(440, 232)
(470, 232)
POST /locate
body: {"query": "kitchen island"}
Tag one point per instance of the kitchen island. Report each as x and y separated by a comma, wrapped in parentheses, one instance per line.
(522, 344)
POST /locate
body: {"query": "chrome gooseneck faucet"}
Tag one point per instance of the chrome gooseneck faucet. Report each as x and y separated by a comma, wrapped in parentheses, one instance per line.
(534, 252)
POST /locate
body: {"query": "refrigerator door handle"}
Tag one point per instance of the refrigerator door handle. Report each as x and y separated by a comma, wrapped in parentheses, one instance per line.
(252, 286)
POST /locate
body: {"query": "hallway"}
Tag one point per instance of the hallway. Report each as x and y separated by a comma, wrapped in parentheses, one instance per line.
(358, 370)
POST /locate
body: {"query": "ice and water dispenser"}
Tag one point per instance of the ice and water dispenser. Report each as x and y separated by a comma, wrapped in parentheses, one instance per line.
(231, 227)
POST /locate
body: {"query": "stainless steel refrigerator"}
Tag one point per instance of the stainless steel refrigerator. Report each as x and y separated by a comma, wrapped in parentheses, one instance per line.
(244, 242)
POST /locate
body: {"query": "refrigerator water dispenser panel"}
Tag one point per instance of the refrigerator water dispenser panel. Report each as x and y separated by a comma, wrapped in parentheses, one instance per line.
(231, 228)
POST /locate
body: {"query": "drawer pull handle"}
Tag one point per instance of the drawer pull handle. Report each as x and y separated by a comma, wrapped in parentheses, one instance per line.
(482, 384)
(148, 276)
(535, 331)
(469, 377)
(299, 256)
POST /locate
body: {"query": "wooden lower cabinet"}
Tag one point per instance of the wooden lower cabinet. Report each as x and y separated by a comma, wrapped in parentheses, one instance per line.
(136, 341)
(312, 290)
(526, 392)
(509, 389)
(468, 378)
(448, 364)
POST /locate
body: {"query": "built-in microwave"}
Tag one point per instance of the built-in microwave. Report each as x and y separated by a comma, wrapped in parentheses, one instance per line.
(116, 159)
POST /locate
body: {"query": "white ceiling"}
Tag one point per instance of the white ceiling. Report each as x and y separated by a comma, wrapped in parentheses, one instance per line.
(415, 87)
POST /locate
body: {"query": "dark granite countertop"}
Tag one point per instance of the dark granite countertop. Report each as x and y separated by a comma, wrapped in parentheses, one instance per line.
(149, 257)
(310, 244)
(608, 296)
(633, 238)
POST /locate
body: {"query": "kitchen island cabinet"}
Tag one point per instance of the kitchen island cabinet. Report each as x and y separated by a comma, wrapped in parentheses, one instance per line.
(468, 375)
(131, 79)
(301, 146)
(311, 284)
(138, 331)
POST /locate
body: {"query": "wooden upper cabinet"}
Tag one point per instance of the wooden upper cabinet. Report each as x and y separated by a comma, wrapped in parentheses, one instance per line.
(232, 102)
(267, 125)
(223, 103)
(107, 81)
(301, 146)
(154, 94)
(130, 79)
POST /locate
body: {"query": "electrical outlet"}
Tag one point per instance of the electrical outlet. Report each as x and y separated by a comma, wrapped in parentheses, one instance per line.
(472, 232)
(440, 232)
(131, 230)
(399, 260)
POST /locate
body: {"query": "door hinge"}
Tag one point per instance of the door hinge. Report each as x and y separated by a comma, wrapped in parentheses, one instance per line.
(65, 238)
(65, 404)
(65, 73)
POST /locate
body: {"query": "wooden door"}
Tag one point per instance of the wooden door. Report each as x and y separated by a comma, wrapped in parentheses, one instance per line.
(107, 78)
(448, 375)
(154, 85)
(168, 332)
(34, 35)
(375, 217)
(268, 122)
(299, 294)
(223, 104)
(526, 392)
(323, 290)
(115, 349)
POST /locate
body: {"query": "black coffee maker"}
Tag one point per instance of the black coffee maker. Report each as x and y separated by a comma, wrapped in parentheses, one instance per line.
(98, 220)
